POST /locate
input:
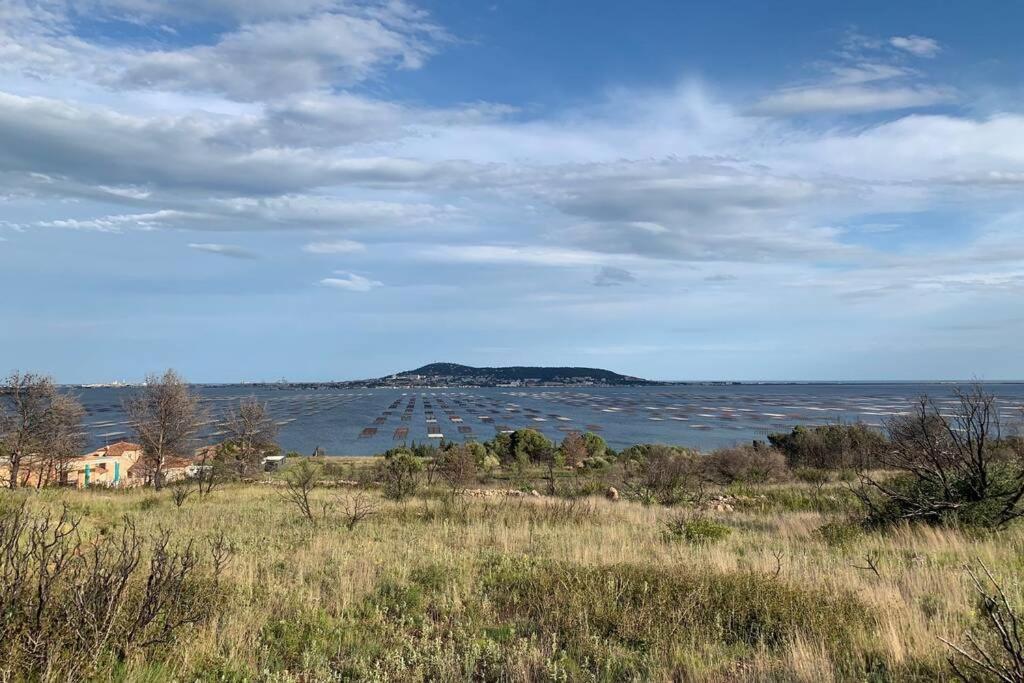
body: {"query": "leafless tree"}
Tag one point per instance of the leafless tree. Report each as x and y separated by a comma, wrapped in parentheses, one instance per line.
(165, 416)
(64, 439)
(180, 493)
(955, 460)
(252, 433)
(300, 482)
(357, 506)
(40, 428)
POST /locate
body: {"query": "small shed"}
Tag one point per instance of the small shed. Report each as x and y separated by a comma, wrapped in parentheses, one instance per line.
(272, 463)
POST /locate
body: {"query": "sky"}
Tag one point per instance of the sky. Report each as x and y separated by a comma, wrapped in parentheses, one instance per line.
(251, 190)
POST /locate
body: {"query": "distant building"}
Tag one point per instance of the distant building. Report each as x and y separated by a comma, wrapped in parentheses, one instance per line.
(107, 466)
(273, 462)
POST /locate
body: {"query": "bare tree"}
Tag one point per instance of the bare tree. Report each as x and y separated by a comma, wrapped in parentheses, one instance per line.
(300, 482)
(39, 427)
(356, 507)
(251, 435)
(165, 416)
(64, 439)
(952, 463)
(180, 493)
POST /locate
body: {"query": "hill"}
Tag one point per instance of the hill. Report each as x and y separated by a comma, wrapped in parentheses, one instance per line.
(454, 374)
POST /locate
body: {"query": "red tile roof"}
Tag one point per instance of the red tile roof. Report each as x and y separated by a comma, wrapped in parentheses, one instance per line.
(121, 447)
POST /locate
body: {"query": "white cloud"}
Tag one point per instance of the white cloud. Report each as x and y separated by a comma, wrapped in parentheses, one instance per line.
(513, 255)
(259, 53)
(916, 45)
(351, 282)
(228, 250)
(850, 98)
(334, 247)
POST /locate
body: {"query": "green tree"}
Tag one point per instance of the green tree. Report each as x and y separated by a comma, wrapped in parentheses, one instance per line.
(400, 474)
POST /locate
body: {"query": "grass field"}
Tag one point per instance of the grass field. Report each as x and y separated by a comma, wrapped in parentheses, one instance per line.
(539, 588)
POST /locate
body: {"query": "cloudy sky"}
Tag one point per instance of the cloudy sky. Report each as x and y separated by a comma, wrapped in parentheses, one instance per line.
(318, 189)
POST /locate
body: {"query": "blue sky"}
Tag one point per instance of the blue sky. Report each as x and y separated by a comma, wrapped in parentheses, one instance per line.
(322, 189)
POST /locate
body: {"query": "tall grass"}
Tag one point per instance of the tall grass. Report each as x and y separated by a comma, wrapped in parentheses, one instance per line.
(543, 589)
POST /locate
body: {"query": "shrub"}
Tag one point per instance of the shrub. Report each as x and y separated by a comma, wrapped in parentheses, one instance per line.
(830, 447)
(695, 530)
(596, 446)
(400, 474)
(746, 464)
(908, 498)
(456, 466)
(668, 474)
(69, 605)
(953, 465)
(839, 534)
(813, 476)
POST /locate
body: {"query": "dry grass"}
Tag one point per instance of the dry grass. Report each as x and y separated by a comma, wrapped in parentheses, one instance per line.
(404, 596)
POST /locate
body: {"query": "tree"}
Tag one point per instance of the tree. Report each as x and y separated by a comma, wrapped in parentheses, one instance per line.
(299, 483)
(574, 449)
(252, 434)
(952, 466)
(165, 416)
(63, 440)
(457, 466)
(400, 474)
(552, 458)
(596, 446)
(833, 446)
(39, 427)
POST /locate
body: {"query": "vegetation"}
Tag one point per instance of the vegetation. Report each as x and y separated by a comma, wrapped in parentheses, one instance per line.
(446, 563)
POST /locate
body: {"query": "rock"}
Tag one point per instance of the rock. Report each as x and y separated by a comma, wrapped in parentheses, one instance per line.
(612, 494)
(535, 493)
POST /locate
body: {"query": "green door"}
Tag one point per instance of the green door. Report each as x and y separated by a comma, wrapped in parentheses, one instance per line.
(86, 475)
(117, 472)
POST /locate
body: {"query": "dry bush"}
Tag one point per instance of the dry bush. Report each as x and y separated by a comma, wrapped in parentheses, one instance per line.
(665, 474)
(952, 467)
(300, 481)
(356, 507)
(997, 655)
(70, 604)
(745, 464)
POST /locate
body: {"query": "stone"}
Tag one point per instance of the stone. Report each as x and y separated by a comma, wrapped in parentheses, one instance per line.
(612, 494)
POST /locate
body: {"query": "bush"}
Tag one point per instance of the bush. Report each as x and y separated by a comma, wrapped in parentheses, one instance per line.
(954, 467)
(69, 606)
(695, 530)
(666, 474)
(745, 464)
(839, 534)
(831, 447)
(400, 475)
(908, 498)
(456, 466)
(813, 476)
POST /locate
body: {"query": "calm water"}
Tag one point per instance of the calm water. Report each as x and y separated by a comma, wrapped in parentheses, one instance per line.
(360, 422)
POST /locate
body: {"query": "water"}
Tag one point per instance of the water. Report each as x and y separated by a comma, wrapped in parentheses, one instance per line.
(340, 421)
